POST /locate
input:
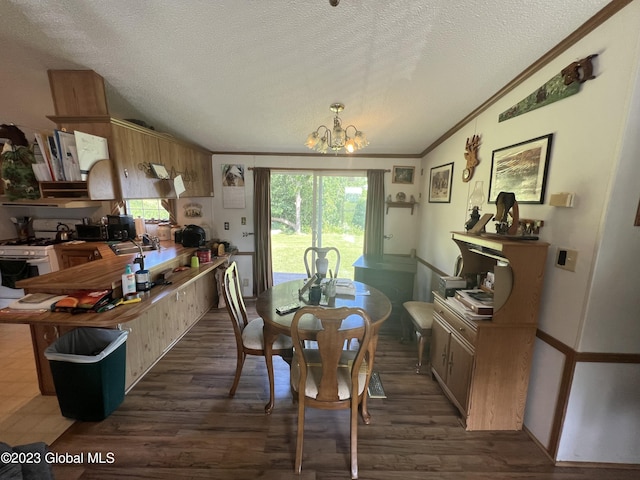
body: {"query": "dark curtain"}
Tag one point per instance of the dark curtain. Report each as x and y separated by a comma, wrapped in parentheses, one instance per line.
(262, 268)
(374, 220)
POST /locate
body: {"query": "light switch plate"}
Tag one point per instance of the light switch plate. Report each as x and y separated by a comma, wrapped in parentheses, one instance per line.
(567, 259)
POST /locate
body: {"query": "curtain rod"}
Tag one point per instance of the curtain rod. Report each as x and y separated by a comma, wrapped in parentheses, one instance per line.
(295, 169)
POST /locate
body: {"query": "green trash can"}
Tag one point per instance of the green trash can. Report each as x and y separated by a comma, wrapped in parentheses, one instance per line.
(88, 367)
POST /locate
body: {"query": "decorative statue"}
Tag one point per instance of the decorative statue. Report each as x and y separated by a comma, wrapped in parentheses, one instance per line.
(506, 205)
(471, 156)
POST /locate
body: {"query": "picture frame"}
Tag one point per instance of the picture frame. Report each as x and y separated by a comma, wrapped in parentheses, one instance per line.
(440, 183)
(403, 174)
(522, 169)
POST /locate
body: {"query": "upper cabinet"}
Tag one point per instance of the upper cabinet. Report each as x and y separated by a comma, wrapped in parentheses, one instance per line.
(80, 104)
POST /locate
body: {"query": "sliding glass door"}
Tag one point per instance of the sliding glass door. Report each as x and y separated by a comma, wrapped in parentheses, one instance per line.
(320, 209)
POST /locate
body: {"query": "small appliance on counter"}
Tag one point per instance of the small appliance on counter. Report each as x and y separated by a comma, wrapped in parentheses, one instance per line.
(91, 233)
(193, 236)
(120, 227)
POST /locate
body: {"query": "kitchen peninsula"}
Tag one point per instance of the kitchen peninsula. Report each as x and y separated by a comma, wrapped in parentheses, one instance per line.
(155, 324)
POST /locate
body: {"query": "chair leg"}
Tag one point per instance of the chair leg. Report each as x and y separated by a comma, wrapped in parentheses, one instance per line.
(354, 441)
(421, 343)
(300, 437)
(236, 380)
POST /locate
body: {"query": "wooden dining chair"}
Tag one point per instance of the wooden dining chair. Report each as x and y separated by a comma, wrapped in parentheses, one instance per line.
(327, 376)
(322, 262)
(248, 333)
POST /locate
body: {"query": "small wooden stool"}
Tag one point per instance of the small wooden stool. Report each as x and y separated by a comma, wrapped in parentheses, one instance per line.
(421, 314)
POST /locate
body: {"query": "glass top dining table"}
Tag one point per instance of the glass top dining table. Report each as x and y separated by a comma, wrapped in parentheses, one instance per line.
(371, 300)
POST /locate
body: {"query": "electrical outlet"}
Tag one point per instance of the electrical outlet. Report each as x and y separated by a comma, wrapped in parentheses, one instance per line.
(245, 282)
(567, 259)
(226, 225)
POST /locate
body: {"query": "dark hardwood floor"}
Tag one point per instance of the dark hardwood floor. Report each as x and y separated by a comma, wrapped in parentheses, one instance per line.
(179, 423)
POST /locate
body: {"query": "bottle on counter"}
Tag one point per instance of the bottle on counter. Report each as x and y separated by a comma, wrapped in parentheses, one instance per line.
(128, 282)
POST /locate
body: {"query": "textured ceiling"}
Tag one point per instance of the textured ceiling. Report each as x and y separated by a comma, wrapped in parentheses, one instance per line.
(259, 75)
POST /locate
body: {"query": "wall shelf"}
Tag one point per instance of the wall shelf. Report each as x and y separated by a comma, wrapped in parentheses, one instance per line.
(401, 205)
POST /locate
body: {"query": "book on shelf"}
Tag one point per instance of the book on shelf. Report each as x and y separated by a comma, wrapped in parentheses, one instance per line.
(41, 167)
(43, 145)
(68, 155)
(56, 163)
(479, 301)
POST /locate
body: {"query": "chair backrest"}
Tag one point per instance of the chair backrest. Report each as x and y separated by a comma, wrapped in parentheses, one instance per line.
(321, 252)
(330, 328)
(233, 298)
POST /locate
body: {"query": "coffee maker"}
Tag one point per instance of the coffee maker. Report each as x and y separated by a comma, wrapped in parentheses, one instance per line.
(121, 227)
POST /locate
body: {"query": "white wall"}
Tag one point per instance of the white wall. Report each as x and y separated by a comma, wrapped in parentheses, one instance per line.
(594, 154)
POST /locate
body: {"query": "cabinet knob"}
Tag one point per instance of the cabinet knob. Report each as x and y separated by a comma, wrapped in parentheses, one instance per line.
(461, 329)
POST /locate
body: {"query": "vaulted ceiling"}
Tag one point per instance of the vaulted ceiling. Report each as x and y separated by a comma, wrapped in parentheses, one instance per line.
(259, 75)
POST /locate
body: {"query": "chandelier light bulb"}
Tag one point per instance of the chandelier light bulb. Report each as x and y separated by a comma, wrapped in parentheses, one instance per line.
(312, 140)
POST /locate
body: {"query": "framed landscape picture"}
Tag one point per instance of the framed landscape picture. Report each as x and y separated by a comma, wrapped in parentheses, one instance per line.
(403, 174)
(440, 183)
(521, 169)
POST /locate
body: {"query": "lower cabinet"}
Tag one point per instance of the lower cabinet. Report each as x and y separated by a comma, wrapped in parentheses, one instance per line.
(451, 361)
(72, 254)
(153, 333)
(42, 336)
(482, 367)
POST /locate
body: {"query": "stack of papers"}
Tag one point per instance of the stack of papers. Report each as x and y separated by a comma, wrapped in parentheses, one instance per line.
(345, 286)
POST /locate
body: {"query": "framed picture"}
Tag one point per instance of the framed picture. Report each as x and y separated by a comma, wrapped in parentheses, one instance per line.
(521, 169)
(403, 174)
(440, 183)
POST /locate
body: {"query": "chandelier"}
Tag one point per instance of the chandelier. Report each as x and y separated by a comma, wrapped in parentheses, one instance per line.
(337, 138)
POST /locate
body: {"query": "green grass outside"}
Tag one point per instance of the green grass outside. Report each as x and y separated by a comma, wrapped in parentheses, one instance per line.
(288, 251)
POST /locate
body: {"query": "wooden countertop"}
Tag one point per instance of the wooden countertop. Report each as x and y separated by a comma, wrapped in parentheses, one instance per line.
(107, 273)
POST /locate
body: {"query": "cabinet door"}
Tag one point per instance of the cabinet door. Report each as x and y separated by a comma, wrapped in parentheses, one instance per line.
(80, 256)
(193, 165)
(459, 367)
(439, 348)
(42, 336)
(143, 346)
(134, 150)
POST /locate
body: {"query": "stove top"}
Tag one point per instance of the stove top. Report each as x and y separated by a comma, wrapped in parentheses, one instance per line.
(31, 242)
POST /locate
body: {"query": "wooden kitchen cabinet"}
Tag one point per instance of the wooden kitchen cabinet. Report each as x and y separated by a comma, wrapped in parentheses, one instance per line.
(133, 149)
(153, 333)
(41, 337)
(72, 254)
(80, 104)
(483, 366)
